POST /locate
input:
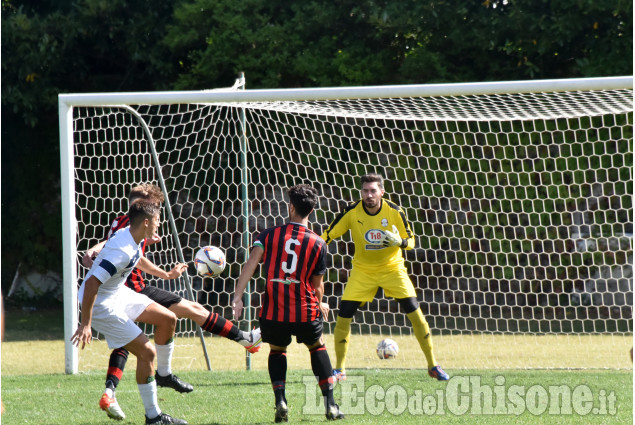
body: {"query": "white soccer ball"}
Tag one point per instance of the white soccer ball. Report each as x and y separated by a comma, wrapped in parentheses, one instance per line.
(209, 261)
(387, 349)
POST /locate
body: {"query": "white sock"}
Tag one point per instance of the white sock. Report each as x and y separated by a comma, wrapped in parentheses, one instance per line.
(149, 397)
(164, 358)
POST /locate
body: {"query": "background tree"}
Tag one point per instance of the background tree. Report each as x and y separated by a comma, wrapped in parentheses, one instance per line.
(51, 47)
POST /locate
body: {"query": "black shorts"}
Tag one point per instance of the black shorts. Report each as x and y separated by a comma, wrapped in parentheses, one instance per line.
(161, 296)
(279, 333)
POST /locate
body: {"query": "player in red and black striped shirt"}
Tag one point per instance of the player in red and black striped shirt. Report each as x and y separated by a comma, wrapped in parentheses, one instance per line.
(294, 260)
(183, 308)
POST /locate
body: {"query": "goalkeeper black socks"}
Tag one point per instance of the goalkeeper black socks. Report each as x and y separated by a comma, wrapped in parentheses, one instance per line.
(323, 371)
(218, 325)
(116, 365)
(278, 374)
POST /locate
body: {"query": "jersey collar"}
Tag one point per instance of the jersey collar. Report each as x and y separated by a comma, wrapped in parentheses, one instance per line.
(381, 205)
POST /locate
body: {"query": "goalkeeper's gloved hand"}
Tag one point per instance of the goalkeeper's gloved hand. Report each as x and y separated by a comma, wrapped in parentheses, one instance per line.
(391, 239)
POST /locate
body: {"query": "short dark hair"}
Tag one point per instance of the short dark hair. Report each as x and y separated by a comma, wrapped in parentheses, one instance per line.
(304, 198)
(373, 178)
(142, 209)
(146, 191)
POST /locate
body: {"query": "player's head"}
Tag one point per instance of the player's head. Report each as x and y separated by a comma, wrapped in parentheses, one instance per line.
(304, 199)
(143, 212)
(372, 190)
(146, 191)
(373, 178)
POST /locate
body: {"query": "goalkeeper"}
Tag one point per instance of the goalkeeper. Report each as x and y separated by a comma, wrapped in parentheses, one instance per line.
(380, 231)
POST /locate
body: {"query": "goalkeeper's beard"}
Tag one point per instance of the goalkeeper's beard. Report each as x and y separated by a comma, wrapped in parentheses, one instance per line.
(371, 203)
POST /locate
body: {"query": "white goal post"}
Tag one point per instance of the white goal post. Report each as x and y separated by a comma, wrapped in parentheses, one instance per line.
(519, 193)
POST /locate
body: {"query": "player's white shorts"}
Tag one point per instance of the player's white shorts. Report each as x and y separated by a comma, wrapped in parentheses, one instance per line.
(114, 316)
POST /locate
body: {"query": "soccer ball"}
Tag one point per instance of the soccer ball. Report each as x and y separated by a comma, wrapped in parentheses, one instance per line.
(387, 349)
(209, 261)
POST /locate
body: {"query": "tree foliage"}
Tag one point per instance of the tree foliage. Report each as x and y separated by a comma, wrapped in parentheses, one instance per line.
(51, 47)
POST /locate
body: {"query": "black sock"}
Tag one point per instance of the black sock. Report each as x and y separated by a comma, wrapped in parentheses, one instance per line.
(278, 373)
(323, 371)
(116, 365)
(218, 325)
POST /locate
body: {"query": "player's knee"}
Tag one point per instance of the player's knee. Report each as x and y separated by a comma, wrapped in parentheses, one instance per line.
(198, 311)
(169, 320)
(193, 311)
(408, 304)
(348, 309)
(147, 354)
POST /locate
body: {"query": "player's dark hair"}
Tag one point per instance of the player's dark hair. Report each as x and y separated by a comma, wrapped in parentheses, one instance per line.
(373, 178)
(304, 198)
(146, 191)
(142, 209)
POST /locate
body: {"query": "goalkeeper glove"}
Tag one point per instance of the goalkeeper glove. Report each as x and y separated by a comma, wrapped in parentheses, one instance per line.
(391, 239)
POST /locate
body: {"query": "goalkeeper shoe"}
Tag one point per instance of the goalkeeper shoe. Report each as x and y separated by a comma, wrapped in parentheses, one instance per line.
(173, 381)
(165, 419)
(282, 412)
(111, 407)
(438, 373)
(333, 413)
(339, 375)
(255, 341)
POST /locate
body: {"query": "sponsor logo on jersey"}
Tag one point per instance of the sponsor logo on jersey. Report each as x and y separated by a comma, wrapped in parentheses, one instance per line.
(286, 281)
(374, 237)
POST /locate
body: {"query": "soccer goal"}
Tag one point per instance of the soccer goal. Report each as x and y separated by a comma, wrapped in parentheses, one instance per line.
(519, 193)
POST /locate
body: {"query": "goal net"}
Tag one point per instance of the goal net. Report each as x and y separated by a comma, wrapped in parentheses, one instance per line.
(520, 198)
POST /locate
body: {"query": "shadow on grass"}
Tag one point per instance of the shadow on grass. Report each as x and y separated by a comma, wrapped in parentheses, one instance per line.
(33, 324)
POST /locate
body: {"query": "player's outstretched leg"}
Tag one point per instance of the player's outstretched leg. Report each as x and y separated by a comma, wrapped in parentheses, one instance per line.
(108, 402)
(254, 342)
(217, 325)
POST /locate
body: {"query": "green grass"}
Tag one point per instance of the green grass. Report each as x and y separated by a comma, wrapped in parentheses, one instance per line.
(246, 397)
(33, 324)
(35, 390)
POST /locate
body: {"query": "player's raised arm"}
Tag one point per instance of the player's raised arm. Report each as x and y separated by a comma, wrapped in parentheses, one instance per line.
(92, 253)
(148, 266)
(338, 226)
(246, 273)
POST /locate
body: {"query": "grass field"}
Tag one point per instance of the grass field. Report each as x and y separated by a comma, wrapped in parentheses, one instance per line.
(35, 390)
(246, 398)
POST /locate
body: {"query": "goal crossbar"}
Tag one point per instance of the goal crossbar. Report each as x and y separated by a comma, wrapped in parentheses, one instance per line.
(332, 93)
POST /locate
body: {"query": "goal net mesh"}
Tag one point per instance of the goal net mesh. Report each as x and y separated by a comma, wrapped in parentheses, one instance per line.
(521, 205)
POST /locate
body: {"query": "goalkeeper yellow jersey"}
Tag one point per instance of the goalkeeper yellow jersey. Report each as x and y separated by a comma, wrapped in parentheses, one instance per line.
(366, 231)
